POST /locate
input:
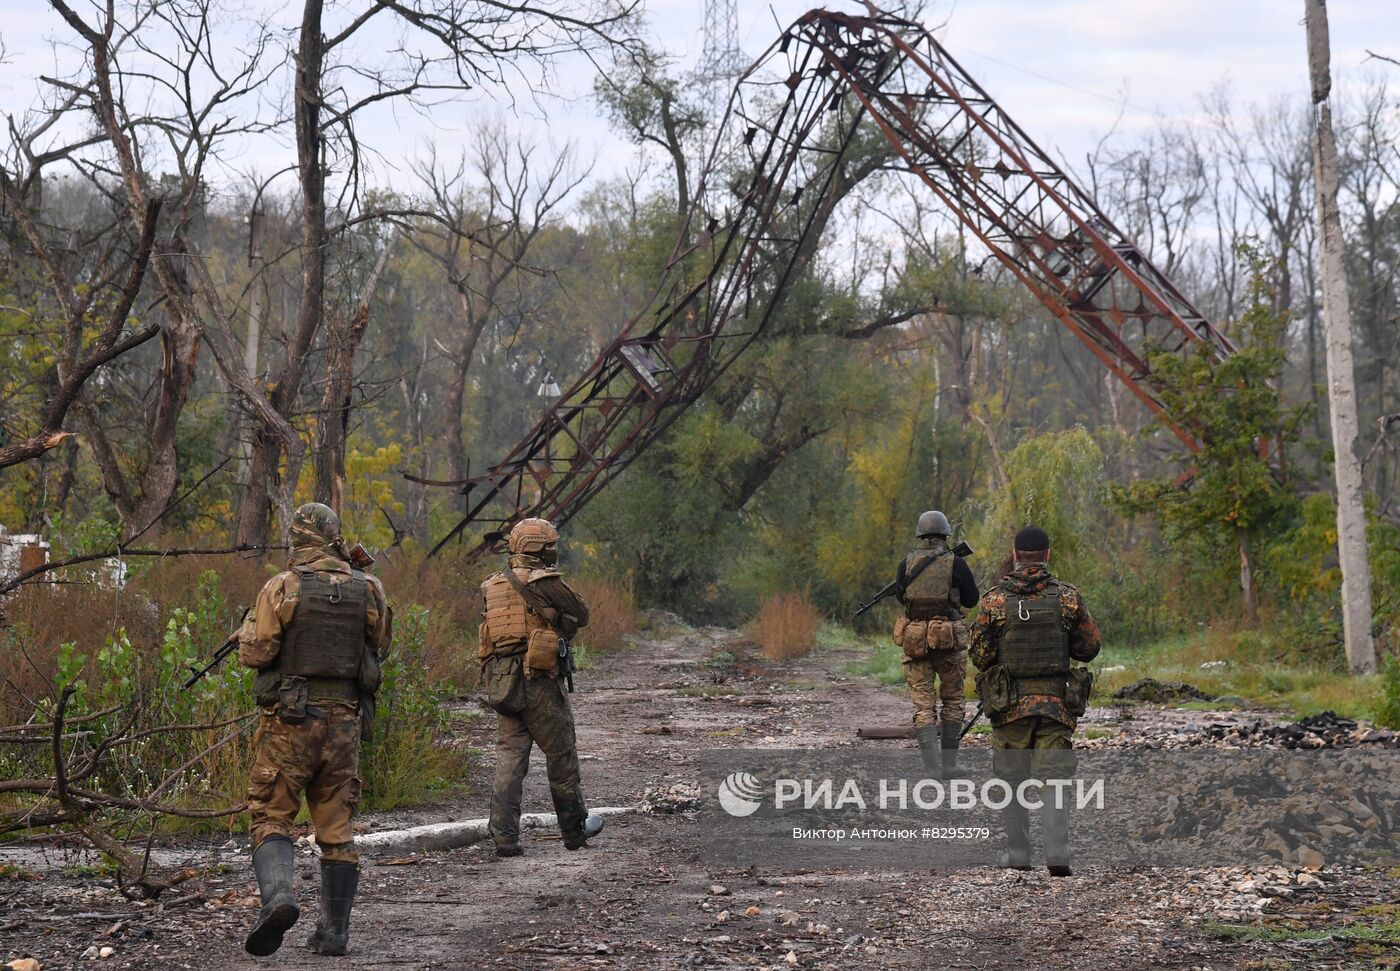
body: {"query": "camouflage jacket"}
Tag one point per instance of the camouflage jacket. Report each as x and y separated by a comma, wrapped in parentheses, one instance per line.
(260, 637)
(1030, 581)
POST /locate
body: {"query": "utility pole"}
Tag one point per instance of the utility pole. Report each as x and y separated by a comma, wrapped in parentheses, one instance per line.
(1341, 372)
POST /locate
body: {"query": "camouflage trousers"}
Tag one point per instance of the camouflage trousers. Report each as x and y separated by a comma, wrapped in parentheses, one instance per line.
(947, 669)
(544, 719)
(320, 759)
(1041, 748)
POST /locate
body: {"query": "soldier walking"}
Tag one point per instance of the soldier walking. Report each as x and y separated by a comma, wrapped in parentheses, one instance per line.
(530, 615)
(935, 585)
(1027, 631)
(316, 637)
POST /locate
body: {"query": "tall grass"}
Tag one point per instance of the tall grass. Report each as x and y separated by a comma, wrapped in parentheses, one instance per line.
(786, 625)
(612, 612)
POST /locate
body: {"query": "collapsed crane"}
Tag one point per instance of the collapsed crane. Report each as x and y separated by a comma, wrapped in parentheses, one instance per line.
(750, 231)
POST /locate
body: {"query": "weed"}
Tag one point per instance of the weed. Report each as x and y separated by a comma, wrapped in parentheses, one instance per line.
(786, 625)
(612, 613)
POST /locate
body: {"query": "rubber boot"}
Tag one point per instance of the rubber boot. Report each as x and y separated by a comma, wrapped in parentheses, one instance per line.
(951, 735)
(1054, 828)
(339, 881)
(509, 849)
(929, 747)
(592, 826)
(1017, 855)
(274, 864)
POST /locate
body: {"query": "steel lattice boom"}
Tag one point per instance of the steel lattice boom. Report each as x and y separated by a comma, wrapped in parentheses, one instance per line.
(793, 117)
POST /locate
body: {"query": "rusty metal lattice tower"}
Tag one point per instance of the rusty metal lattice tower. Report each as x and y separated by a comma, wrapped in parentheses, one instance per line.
(750, 227)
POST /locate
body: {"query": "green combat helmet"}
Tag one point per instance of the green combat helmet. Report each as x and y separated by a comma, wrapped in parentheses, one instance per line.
(933, 523)
(316, 524)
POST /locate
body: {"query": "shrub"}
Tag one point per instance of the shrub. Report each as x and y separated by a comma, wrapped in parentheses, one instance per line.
(786, 625)
(1389, 713)
(612, 612)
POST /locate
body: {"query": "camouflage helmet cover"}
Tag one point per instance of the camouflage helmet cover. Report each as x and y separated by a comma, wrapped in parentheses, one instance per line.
(315, 524)
(532, 536)
(933, 523)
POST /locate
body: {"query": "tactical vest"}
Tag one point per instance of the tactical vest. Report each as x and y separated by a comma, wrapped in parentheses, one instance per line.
(509, 618)
(1034, 647)
(932, 593)
(325, 641)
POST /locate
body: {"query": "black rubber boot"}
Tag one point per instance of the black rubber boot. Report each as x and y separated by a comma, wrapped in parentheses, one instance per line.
(1054, 827)
(275, 864)
(928, 747)
(338, 884)
(509, 849)
(951, 732)
(1017, 855)
(592, 826)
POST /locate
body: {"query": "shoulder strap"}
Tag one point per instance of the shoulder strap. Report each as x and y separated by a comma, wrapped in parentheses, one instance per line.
(920, 567)
(531, 598)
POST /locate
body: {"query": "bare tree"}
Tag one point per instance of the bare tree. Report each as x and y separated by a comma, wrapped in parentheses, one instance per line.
(484, 241)
(445, 47)
(1341, 375)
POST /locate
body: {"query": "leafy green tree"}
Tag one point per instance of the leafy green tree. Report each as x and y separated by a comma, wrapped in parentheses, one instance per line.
(1234, 494)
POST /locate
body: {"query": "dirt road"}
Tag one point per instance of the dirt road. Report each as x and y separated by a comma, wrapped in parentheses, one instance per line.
(639, 899)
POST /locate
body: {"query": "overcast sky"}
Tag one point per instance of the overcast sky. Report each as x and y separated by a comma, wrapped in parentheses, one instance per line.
(1062, 68)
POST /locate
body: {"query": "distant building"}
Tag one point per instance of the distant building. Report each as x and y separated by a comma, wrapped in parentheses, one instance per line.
(20, 552)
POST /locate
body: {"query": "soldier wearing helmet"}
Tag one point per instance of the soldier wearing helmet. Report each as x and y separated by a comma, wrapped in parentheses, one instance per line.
(528, 610)
(935, 585)
(316, 637)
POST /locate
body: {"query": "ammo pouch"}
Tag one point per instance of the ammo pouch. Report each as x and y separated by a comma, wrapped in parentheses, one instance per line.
(542, 653)
(483, 642)
(996, 691)
(920, 637)
(293, 692)
(503, 684)
(1078, 684)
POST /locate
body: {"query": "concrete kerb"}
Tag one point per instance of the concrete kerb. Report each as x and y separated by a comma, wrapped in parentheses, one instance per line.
(451, 836)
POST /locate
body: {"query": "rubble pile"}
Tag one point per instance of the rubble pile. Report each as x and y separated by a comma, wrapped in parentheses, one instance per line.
(1159, 692)
(680, 797)
(1324, 730)
(1249, 808)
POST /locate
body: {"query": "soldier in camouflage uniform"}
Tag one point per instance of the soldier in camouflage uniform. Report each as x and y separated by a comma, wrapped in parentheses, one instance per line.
(316, 638)
(1028, 630)
(528, 610)
(935, 586)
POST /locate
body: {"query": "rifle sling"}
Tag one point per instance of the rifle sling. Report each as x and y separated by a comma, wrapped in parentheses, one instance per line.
(920, 568)
(532, 599)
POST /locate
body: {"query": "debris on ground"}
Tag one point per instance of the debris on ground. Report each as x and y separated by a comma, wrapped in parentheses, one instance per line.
(1161, 692)
(679, 797)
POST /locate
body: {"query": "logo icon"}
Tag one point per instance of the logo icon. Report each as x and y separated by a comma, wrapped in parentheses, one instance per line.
(740, 794)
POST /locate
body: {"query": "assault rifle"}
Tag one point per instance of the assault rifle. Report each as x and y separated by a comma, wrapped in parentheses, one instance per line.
(890, 589)
(225, 649)
(975, 715)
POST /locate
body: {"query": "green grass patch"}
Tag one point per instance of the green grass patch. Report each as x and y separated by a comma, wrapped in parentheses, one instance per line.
(1355, 932)
(1261, 668)
(837, 637)
(13, 872)
(884, 661)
